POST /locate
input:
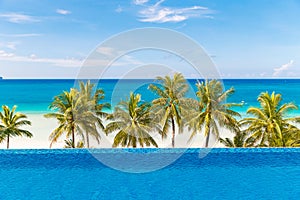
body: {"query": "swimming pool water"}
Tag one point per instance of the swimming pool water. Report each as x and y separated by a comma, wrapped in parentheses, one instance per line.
(221, 174)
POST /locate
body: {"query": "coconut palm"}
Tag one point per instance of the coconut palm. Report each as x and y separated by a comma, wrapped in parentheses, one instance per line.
(212, 111)
(69, 144)
(239, 140)
(91, 99)
(72, 116)
(269, 125)
(133, 122)
(290, 137)
(167, 107)
(11, 123)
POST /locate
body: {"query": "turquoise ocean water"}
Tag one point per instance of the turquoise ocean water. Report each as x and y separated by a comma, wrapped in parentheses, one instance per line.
(34, 96)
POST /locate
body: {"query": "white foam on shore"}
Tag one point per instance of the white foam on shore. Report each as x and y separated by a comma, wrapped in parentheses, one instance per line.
(42, 127)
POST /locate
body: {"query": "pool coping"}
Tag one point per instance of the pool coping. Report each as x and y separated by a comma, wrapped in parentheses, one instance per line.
(149, 150)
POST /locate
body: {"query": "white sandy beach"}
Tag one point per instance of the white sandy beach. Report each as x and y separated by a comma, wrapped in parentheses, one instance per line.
(42, 127)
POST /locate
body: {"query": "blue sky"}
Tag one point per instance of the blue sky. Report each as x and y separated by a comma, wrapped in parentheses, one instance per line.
(246, 38)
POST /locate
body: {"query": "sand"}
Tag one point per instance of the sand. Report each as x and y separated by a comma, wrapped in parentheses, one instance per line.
(42, 127)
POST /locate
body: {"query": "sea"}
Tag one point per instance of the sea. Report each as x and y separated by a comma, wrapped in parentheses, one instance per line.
(35, 96)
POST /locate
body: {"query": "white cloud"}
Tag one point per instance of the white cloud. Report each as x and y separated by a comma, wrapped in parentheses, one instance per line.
(4, 54)
(108, 51)
(140, 2)
(11, 45)
(119, 9)
(33, 56)
(69, 62)
(283, 68)
(161, 14)
(18, 18)
(63, 12)
(263, 74)
(8, 45)
(20, 35)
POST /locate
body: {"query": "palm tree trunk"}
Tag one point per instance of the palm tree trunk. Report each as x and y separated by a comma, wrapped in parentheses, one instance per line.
(8, 141)
(207, 128)
(207, 139)
(87, 140)
(207, 122)
(73, 138)
(173, 132)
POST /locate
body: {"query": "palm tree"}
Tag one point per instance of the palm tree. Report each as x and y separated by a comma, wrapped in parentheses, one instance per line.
(168, 106)
(11, 123)
(269, 125)
(212, 111)
(239, 140)
(133, 121)
(92, 98)
(69, 144)
(72, 116)
(291, 137)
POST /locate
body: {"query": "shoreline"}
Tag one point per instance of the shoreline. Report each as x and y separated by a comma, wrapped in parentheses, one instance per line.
(34, 104)
(42, 127)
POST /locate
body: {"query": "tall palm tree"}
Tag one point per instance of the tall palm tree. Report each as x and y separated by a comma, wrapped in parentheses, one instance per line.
(91, 98)
(269, 125)
(212, 111)
(133, 121)
(168, 106)
(72, 116)
(11, 123)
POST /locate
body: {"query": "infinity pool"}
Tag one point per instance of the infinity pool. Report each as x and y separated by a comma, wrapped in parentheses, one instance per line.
(190, 174)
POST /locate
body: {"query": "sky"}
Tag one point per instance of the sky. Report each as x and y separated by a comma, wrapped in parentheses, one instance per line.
(244, 38)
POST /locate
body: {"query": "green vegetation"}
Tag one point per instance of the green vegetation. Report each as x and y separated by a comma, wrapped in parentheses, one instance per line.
(168, 106)
(212, 111)
(11, 123)
(269, 126)
(81, 115)
(69, 144)
(239, 140)
(92, 98)
(134, 121)
(77, 113)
